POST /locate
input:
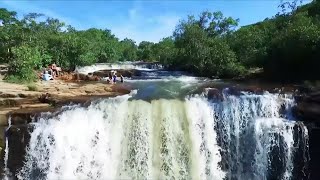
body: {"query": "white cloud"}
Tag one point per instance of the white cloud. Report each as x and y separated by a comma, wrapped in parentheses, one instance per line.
(27, 7)
(135, 24)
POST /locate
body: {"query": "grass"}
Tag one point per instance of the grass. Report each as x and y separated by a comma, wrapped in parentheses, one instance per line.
(32, 87)
(18, 80)
(14, 79)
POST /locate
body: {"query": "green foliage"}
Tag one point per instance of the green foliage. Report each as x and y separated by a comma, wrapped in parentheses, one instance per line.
(296, 50)
(15, 79)
(25, 60)
(201, 46)
(286, 46)
(129, 50)
(165, 50)
(145, 51)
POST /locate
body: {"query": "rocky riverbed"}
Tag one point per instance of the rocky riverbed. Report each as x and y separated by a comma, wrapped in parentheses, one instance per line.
(17, 101)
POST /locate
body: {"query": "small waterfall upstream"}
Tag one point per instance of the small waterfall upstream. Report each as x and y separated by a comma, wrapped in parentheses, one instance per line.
(247, 136)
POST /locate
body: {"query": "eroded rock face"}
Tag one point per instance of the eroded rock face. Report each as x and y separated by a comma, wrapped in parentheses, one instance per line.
(308, 107)
(308, 110)
(214, 94)
(18, 139)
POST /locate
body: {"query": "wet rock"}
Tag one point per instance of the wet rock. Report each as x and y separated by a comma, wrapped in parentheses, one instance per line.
(18, 139)
(308, 107)
(214, 94)
(45, 98)
(233, 91)
(314, 151)
(253, 89)
(123, 72)
(26, 115)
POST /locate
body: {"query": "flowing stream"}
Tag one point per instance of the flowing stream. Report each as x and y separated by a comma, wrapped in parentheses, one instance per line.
(164, 130)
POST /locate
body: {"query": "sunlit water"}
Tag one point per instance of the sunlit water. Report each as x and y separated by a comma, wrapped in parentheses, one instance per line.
(168, 129)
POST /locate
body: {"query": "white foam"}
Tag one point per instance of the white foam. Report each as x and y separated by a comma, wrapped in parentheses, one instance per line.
(124, 65)
(6, 153)
(118, 138)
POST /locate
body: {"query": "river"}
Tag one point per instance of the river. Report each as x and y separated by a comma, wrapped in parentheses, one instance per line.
(172, 126)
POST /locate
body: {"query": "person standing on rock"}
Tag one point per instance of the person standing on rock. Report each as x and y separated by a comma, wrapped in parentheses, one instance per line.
(121, 78)
(114, 77)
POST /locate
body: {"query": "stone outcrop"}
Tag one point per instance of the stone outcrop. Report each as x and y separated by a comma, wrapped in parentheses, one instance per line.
(308, 107)
(78, 77)
(123, 72)
(19, 103)
(307, 110)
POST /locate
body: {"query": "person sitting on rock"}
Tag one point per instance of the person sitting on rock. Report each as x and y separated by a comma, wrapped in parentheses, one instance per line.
(46, 76)
(54, 70)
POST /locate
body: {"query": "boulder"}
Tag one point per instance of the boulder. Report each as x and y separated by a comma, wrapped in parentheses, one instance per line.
(214, 94)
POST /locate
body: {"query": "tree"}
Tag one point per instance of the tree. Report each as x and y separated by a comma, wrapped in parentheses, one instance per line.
(201, 47)
(129, 50)
(165, 50)
(145, 51)
(294, 53)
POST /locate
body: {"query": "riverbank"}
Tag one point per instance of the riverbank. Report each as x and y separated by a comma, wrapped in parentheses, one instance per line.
(21, 103)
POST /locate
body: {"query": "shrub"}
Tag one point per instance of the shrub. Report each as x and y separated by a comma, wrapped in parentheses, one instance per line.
(21, 68)
(32, 87)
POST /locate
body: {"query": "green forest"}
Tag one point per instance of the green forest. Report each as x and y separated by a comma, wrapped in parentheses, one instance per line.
(286, 47)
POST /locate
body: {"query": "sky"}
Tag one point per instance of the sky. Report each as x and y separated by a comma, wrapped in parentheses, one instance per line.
(144, 20)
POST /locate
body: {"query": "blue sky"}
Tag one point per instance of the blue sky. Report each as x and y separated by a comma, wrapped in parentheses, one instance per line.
(148, 20)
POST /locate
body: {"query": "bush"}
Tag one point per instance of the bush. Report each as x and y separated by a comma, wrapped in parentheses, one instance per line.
(21, 68)
(32, 87)
(13, 79)
(19, 80)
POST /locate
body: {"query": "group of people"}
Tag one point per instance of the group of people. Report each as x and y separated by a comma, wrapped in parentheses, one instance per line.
(51, 72)
(113, 77)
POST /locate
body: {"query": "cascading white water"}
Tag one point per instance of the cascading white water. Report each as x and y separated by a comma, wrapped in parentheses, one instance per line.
(242, 137)
(6, 152)
(125, 65)
(254, 130)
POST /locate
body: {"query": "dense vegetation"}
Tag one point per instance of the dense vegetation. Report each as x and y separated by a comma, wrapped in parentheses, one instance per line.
(286, 46)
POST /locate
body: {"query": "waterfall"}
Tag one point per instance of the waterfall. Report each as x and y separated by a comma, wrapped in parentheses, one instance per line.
(240, 137)
(124, 65)
(6, 152)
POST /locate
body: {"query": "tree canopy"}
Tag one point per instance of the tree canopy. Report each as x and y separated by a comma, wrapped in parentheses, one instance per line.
(286, 46)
